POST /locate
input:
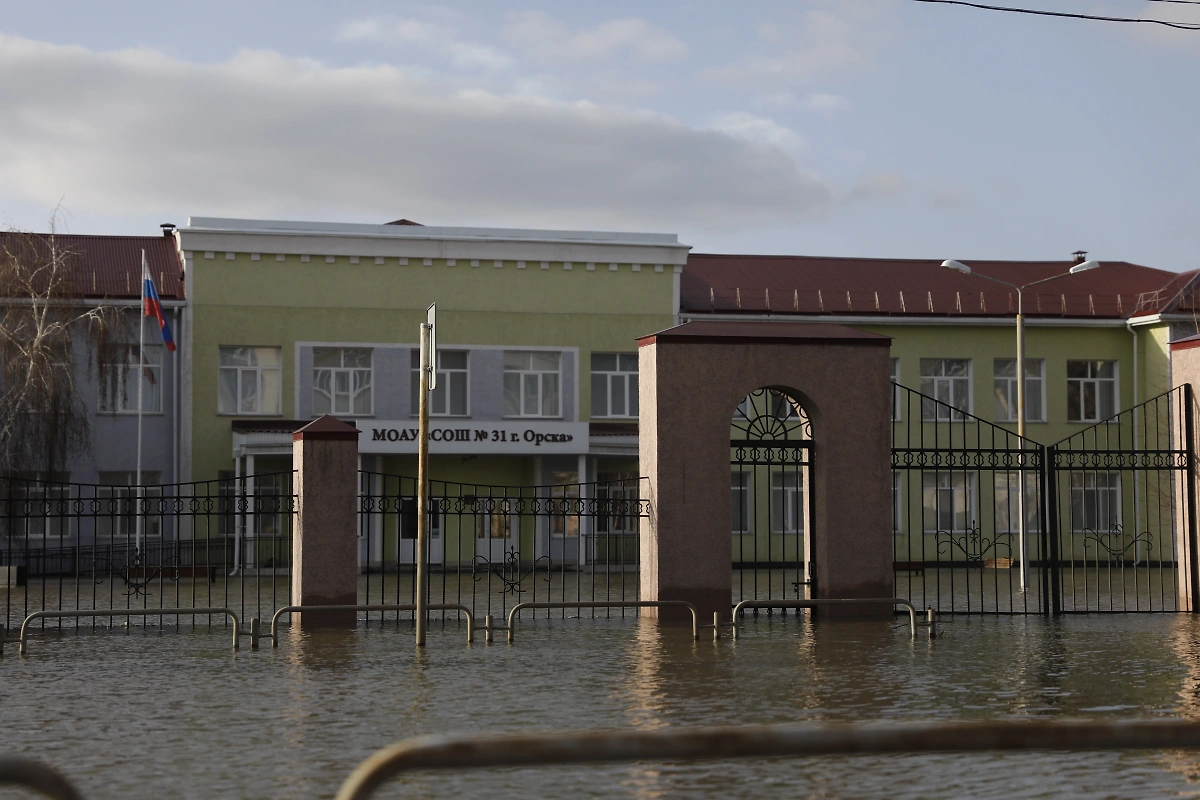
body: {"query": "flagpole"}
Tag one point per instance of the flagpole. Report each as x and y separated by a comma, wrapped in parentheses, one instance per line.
(141, 381)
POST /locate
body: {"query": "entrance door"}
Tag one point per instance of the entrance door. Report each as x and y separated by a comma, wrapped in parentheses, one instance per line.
(408, 531)
(495, 531)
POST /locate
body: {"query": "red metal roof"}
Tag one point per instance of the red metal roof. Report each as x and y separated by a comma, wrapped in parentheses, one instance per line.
(737, 331)
(109, 266)
(713, 283)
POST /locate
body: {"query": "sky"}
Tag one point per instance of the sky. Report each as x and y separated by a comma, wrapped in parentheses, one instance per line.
(872, 128)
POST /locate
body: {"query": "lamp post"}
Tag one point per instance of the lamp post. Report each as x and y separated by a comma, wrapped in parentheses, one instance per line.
(1083, 266)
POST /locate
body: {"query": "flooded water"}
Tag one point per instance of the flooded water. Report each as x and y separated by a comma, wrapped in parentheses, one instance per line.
(165, 712)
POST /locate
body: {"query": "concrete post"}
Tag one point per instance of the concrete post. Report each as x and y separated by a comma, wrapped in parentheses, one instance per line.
(1185, 369)
(325, 542)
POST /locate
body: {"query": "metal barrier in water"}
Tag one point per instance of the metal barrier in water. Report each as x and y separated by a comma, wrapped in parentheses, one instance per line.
(489, 627)
(274, 637)
(758, 741)
(18, 771)
(892, 601)
(128, 612)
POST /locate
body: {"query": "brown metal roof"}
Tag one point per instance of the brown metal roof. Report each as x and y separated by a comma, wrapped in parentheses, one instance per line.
(722, 331)
(108, 266)
(713, 283)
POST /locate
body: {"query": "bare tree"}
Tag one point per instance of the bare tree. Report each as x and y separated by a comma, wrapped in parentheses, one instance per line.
(50, 332)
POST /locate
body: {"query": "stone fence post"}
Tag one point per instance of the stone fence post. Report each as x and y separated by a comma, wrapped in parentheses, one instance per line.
(325, 540)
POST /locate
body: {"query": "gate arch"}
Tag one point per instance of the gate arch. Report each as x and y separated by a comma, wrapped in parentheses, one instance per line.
(771, 521)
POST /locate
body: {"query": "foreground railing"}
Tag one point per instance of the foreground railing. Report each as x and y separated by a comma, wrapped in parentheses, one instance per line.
(459, 752)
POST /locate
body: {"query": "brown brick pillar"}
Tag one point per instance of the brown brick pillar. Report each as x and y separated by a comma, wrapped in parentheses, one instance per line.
(325, 542)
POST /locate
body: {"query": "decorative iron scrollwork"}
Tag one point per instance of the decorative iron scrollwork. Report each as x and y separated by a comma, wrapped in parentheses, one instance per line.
(771, 416)
(1116, 542)
(971, 543)
(137, 581)
(509, 570)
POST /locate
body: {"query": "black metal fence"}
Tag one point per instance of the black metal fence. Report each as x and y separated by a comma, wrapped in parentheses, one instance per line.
(494, 546)
(75, 546)
(1123, 516)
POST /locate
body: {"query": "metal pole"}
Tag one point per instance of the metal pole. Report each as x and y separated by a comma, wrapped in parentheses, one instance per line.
(1022, 551)
(423, 491)
(141, 379)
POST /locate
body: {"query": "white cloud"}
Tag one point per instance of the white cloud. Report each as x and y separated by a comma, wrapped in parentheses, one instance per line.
(823, 42)
(827, 104)
(758, 129)
(543, 38)
(261, 134)
(434, 37)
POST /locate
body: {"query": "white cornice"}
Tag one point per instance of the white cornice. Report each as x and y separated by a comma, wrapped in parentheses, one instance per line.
(864, 319)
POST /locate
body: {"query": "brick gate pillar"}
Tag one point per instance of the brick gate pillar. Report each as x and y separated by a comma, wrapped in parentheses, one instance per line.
(1185, 371)
(325, 536)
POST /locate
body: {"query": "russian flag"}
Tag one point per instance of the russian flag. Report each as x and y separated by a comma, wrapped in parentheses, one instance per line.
(152, 306)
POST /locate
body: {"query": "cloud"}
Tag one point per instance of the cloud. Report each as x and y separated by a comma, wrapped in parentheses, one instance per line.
(758, 129)
(823, 42)
(434, 37)
(827, 104)
(543, 38)
(136, 131)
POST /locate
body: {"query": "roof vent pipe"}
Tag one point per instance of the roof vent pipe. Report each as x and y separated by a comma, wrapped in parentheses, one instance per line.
(1080, 256)
(168, 229)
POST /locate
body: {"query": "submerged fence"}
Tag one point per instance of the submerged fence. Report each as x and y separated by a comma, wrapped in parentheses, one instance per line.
(228, 543)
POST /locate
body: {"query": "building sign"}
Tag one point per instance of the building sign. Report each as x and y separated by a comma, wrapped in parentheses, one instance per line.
(461, 436)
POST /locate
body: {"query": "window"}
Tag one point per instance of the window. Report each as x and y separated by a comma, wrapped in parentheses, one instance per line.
(949, 501)
(949, 381)
(742, 502)
(894, 390)
(1091, 390)
(531, 382)
(1005, 382)
(1008, 502)
(494, 519)
(47, 512)
(614, 384)
(787, 502)
(1095, 501)
(119, 512)
(249, 381)
(342, 381)
(408, 517)
(125, 397)
(565, 490)
(449, 398)
(617, 493)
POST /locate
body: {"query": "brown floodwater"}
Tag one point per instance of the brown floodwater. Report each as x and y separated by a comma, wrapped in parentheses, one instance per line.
(173, 712)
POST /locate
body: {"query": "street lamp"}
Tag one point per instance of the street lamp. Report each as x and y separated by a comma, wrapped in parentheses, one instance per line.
(1083, 266)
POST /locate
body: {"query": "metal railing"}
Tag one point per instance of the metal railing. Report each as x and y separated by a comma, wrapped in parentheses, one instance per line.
(891, 601)
(758, 741)
(30, 774)
(489, 627)
(132, 612)
(369, 608)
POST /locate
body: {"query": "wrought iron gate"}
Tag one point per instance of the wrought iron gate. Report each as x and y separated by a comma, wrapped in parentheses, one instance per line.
(967, 503)
(770, 476)
(1123, 522)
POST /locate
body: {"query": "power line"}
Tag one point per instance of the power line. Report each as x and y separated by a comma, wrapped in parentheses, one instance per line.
(1183, 26)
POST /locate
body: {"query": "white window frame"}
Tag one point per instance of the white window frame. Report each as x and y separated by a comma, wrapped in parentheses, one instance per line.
(1113, 384)
(628, 379)
(350, 372)
(537, 375)
(1084, 492)
(1004, 485)
(742, 483)
(946, 488)
(565, 486)
(39, 487)
(254, 373)
(787, 499)
(444, 384)
(125, 401)
(1006, 387)
(933, 384)
(121, 486)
